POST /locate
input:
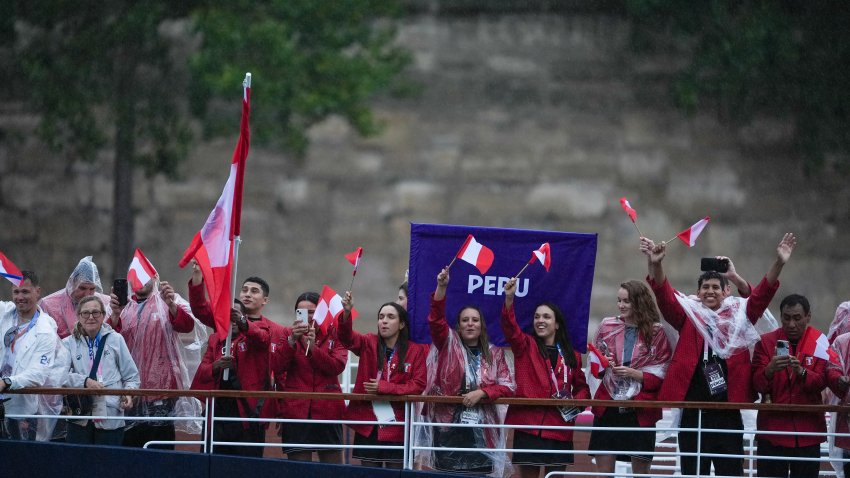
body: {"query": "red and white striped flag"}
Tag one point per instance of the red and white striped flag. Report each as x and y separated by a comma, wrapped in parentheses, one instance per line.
(329, 309)
(628, 208)
(689, 235)
(544, 255)
(9, 270)
(815, 344)
(476, 254)
(141, 271)
(212, 246)
(354, 259)
(598, 361)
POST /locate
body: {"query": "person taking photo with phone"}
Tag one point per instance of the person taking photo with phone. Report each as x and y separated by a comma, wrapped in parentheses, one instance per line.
(711, 361)
(787, 365)
(309, 360)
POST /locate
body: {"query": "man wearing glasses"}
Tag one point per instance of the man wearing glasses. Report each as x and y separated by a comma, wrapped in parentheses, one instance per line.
(27, 353)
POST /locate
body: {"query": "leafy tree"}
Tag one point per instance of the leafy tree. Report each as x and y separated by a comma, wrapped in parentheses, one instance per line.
(109, 75)
(749, 58)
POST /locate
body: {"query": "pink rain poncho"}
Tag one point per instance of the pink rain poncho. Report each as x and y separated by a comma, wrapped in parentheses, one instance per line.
(453, 368)
(60, 305)
(841, 323)
(166, 361)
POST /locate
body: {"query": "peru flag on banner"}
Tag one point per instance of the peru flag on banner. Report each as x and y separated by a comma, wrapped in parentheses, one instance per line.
(568, 283)
(476, 254)
(354, 259)
(628, 208)
(815, 344)
(141, 271)
(212, 246)
(9, 270)
(542, 254)
(689, 236)
(329, 308)
(598, 362)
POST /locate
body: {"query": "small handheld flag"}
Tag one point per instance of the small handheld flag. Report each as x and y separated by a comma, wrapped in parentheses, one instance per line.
(9, 270)
(476, 254)
(542, 254)
(689, 235)
(598, 361)
(141, 271)
(354, 259)
(627, 206)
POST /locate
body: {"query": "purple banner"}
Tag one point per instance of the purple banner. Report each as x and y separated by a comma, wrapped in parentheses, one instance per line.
(568, 282)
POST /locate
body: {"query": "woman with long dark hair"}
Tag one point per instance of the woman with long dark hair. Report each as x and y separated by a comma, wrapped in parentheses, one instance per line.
(545, 366)
(389, 365)
(462, 362)
(638, 353)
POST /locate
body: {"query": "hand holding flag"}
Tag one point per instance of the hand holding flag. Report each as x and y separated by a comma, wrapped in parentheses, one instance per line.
(543, 254)
(141, 271)
(9, 270)
(598, 361)
(689, 235)
(631, 212)
(476, 254)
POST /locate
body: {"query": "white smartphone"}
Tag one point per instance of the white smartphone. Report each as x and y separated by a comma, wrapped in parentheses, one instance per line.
(301, 315)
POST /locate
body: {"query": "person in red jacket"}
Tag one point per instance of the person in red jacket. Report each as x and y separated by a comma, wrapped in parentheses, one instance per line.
(389, 365)
(311, 361)
(462, 362)
(711, 361)
(786, 366)
(248, 355)
(638, 353)
(545, 366)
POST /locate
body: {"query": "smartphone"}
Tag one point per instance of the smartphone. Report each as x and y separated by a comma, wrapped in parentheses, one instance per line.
(301, 315)
(714, 264)
(782, 348)
(119, 288)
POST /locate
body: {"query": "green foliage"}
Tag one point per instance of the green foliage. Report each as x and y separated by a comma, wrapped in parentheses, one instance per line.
(752, 58)
(309, 59)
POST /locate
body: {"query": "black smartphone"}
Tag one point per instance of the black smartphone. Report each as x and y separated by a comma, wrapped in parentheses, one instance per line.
(119, 288)
(714, 264)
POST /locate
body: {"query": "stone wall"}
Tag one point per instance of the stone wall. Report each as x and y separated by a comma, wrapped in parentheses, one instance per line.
(531, 120)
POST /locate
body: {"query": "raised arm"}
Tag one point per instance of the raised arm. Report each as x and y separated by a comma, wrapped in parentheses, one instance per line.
(513, 334)
(349, 338)
(437, 317)
(783, 253)
(654, 254)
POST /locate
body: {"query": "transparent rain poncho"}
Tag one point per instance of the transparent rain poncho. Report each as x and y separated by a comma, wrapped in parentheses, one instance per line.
(841, 323)
(166, 359)
(60, 304)
(840, 422)
(653, 358)
(727, 330)
(447, 367)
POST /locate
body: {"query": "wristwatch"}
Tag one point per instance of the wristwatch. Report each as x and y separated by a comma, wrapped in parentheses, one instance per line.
(8, 382)
(243, 322)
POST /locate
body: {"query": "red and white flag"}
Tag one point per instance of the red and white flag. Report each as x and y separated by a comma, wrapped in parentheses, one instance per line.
(628, 208)
(598, 361)
(544, 255)
(476, 254)
(689, 235)
(354, 259)
(815, 344)
(329, 309)
(212, 246)
(9, 270)
(141, 271)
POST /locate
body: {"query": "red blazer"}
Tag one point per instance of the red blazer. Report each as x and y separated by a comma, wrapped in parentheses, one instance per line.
(405, 379)
(317, 371)
(790, 389)
(533, 380)
(690, 346)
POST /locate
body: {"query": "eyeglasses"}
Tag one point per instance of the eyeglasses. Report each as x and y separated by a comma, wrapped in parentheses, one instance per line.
(95, 314)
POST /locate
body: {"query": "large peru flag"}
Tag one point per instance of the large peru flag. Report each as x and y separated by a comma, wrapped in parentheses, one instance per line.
(9, 270)
(212, 246)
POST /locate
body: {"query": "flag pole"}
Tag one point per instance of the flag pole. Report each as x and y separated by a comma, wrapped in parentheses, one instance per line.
(521, 271)
(668, 241)
(236, 241)
(638, 229)
(452, 262)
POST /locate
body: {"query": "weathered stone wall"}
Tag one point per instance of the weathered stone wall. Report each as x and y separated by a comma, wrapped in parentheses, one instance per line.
(531, 120)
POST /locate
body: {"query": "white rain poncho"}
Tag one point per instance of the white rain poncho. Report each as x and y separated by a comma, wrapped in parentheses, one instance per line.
(653, 359)
(448, 366)
(727, 330)
(166, 361)
(60, 304)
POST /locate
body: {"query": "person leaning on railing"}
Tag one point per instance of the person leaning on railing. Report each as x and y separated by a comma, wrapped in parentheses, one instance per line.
(115, 370)
(545, 366)
(792, 374)
(638, 353)
(311, 361)
(462, 362)
(710, 362)
(389, 365)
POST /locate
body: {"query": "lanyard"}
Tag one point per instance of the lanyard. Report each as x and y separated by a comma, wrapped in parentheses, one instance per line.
(563, 364)
(390, 353)
(23, 332)
(93, 344)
